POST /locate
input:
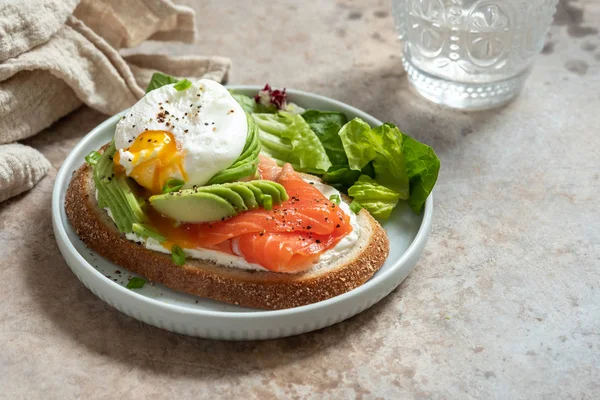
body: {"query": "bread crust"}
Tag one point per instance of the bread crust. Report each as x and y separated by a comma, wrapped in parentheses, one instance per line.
(256, 289)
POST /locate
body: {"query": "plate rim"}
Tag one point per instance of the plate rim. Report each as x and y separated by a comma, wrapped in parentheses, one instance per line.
(63, 176)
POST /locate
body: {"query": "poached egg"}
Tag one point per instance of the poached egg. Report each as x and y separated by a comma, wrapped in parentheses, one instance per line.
(188, 135)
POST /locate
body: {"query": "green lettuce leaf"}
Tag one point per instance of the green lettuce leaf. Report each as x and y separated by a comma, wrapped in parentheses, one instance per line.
(383, 147)
(294, 108)
(359, 143)
(326, 125)
(343, 177)
(375, 198)
(288, 138)
(159, 79)
(389, 163)
(422, 166)
(247, 103)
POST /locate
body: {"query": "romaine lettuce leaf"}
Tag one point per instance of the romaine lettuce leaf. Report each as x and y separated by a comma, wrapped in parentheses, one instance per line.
(359, 144)
(326, 125)
(247, 103)
(343, 177)
(382, 146)
(389, 164)
(375, 198)
(287, 137)
(422, 166)
(294, 108)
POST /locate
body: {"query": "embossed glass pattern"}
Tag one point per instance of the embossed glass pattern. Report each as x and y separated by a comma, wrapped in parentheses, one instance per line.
(471, 54)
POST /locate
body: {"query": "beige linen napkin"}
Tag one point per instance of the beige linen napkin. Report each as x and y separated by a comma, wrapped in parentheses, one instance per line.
(57, 55)
(21, 167)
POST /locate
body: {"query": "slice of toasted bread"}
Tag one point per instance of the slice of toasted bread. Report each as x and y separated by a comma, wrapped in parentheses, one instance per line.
(246, 288)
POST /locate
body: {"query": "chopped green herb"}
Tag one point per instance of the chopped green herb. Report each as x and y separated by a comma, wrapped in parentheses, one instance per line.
(177, 255)
(355, 207)
(335, 198)
(136, 283)
(93, 158)
(182, 85)
(172, 185)
(147, 232)
(267, 201)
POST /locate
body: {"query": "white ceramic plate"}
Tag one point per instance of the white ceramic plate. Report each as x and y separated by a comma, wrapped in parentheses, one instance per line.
(190, 315)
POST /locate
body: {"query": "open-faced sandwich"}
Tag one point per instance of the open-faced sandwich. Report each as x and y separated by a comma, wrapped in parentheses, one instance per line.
(250, 201)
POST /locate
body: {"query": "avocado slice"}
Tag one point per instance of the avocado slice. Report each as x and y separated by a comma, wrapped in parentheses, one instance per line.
(235, 172)
(121, 182)
(118, 206)
(246, 194)
(101, 201)
(224, 192)
(266, 187)
(282, 193)
(191, 206)
(247, 163)
(258, 194)
(261, 188)
(216, 202)
(115, 193)
(107, 196)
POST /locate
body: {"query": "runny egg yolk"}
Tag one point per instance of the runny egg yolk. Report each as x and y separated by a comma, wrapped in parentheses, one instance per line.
(156, 159)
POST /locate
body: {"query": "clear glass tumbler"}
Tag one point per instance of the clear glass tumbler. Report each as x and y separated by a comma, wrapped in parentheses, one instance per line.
(471, 54)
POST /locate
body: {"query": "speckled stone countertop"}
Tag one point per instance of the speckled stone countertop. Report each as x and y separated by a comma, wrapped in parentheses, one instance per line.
(504, 303)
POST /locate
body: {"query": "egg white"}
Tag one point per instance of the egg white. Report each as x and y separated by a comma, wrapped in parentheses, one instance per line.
(209, 126)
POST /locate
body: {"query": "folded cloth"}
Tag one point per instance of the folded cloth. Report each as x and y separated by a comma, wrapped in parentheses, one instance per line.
(21, 167)
(57, 55)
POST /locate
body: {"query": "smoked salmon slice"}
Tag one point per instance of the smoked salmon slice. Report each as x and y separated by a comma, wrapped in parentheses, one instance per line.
(287, 238)
(283, 251)
(268, 168)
